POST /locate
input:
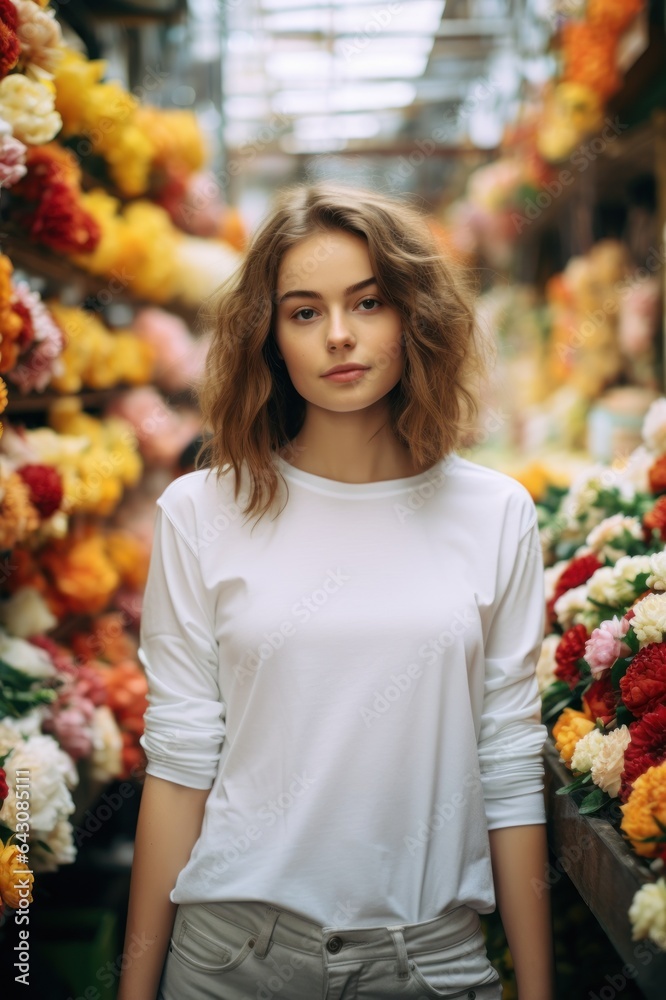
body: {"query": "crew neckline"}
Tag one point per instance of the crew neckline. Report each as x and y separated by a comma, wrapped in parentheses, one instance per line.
(383, 487)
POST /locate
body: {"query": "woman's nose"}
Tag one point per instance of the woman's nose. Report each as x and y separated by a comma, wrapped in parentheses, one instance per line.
(338, 332)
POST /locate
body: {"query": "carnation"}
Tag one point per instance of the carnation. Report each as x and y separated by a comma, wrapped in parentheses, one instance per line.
(570, 650)
(609, 762)
(643, 686)
(12, 156)
(657, 577)
(600, 700)
(586, 751)
(570, 604)
(26, 613)
(604, 587)
(605, 645)
(649, 621)
(545, 668)
(655, 519)
(63, 850)
(654, 426)
(647, 913)
(645, 806)
(29, 107)
(606, 538)
(647, 747)
(568, 730)
(24, 656)
(52, 775)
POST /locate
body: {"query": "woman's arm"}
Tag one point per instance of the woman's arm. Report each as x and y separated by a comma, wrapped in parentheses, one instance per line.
(169, 823)
(519, 857)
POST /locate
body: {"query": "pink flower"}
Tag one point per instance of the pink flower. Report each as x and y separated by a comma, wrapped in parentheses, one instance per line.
(12, 157)
(605, 645)
(72, 726)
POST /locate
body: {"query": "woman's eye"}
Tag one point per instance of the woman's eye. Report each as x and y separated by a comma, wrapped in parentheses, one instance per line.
(369, 300)
(305, 309)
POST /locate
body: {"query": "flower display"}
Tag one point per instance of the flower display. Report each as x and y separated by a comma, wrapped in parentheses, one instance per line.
(40, 39)
(643, 686)
(647, 913)
(586, 751)
(608, 764)
(647, 747)
(29, 107)
(12, 156)
(649, 618)
(570, 650)
(644, 813)
(10, 47)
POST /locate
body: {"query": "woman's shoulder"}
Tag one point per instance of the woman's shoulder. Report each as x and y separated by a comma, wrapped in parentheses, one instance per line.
(197, 497)
(487, 488)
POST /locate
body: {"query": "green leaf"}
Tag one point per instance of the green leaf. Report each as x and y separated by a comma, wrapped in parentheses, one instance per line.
(555, 698)
(45, 846)
(631, 640)
(624, 716)
(593, 802)
(575, 785)
(618, 670)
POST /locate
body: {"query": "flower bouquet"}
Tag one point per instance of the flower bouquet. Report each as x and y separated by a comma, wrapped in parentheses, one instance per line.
(602, 669)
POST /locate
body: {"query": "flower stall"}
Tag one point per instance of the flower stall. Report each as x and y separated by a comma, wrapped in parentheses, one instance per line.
(114, 231)
(602, 673)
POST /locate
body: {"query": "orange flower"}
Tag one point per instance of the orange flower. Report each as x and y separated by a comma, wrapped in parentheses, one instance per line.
(107, 640)
(81, 573)
(3, 395)
(569, 728)
(646, 805)
(18, 517)
(657, 475)
(11, 324)
(130, 556)
(655, 519)
(12, 873)
(589, 56)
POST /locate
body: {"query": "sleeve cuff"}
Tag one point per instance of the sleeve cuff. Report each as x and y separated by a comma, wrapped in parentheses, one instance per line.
(518, 810)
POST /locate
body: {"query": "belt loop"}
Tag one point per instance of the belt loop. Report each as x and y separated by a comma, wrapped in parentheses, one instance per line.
(401, 951)
(266, 933)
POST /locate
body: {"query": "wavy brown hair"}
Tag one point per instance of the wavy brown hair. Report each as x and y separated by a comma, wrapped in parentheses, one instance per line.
(248, 402)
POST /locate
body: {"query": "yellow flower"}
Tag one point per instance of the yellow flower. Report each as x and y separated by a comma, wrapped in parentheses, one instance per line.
(155, 270)
(29, 108)
(568, 730)
(3, 395)
(646, 805)
(11, 874)
(175, 135)
(74, 79)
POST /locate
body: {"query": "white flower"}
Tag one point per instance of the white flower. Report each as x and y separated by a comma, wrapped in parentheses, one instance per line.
(605, 587)
(611, 530)
(586, 750)
(657, 577)
(647, 913)
(61, 841)
(24, 656)
(634, 476)
(26, 613)
(51, 773)
(654, 426)
(551, 576)
(545, 668)
(569, 604)
(629, 567)
(608, 764)
(649, 621)
(106, 759)
(584, 490)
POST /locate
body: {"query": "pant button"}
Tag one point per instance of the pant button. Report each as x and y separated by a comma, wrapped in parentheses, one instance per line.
(334, 945)
(471, 995)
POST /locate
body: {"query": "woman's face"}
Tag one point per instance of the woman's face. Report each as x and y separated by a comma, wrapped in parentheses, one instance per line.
(323, 321)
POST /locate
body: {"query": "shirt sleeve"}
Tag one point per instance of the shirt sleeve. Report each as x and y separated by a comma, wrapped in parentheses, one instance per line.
(185, 718)
(511, 736)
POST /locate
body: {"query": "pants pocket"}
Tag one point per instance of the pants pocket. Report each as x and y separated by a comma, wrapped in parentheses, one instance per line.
(447, 972)
(206, 943)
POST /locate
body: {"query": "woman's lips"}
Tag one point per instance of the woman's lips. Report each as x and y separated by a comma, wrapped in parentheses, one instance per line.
(348, 376)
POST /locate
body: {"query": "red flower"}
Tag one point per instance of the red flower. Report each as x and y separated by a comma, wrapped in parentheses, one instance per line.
(656, 519)
(4, 791)
(10, 47)
(576, 573)
(48, 165)
(600, 701)
(643, 686)
(570, 649)
(45, 487)
(647, 747)
(60, 223)
(657, 475)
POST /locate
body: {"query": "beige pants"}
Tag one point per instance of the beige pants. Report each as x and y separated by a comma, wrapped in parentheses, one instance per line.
(256, 951)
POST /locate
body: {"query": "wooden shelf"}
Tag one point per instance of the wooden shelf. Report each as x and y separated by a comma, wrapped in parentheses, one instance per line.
(605, 872)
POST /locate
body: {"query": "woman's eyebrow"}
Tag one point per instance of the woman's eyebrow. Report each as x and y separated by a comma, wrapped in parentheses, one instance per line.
(304, 293)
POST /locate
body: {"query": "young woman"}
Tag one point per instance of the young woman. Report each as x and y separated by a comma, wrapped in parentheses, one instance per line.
(343, 734)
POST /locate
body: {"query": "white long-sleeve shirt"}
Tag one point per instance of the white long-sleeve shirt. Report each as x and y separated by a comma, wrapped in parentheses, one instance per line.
(354, 680)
